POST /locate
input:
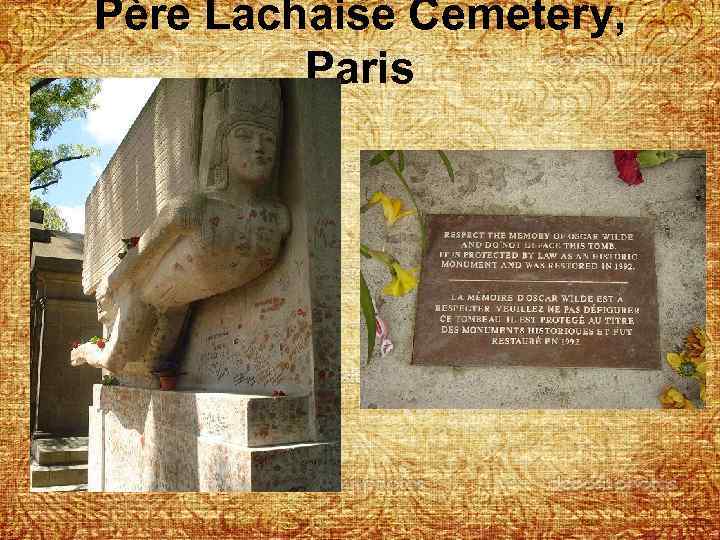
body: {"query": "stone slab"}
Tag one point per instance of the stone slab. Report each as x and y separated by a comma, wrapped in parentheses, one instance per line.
(294, 467)
(58, 475)
(50, 489)
(62, 450)
(96, 449)
(232, 418)
(300, 467)
(554, 291)
(63, 246)
(150, 440)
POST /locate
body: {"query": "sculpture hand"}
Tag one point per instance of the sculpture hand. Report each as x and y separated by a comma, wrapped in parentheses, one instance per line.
(87, 353)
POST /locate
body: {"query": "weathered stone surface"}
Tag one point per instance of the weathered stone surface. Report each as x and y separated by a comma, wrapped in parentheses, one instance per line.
(59, 411)
(58, 475)
(569, 183)
(61, 313)
(158, 157)
(53, 489)
(553, 291)
(277, 420)
(233, 418)
(96, 449)
(150, 440)
(61, 253)
(63, 450)
(282, 332)
(268, 326)
(59, 464)
(300, 467)
(208, 237)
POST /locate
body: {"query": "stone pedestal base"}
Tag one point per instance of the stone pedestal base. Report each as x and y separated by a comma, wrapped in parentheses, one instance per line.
(150, 440)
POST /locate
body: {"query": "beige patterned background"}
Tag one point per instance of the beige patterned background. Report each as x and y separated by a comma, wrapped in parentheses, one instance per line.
(425, 473)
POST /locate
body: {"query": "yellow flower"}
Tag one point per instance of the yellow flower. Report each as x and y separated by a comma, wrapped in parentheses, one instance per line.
(403, 282)
(392, 208)
(688, 366)
(691, 363)
(672, 398)
(696, 343)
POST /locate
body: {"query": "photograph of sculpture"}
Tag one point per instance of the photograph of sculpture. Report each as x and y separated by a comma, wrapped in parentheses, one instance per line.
(185, 332)
(533, 279)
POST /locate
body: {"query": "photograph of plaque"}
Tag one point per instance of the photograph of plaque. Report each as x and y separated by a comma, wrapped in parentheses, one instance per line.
(545, 291)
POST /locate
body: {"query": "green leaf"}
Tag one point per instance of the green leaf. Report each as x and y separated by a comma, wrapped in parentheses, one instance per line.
(51, 216)
(51, 107)
(369, 312)
(447, 164)
(653, 158)
(380, 157)
(401, 160)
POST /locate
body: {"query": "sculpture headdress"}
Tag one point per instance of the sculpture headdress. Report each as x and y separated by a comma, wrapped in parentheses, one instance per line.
(229, 102)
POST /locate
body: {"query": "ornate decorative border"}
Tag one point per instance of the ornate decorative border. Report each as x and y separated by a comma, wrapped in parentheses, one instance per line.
(459, 473)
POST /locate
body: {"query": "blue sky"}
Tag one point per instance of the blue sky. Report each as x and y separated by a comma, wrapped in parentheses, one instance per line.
(118, 104)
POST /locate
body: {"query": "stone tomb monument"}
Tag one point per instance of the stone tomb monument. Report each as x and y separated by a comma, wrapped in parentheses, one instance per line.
(226, 193)
(538, 291)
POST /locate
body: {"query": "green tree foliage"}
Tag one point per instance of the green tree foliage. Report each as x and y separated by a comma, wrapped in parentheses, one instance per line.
(53, 102)
(51, 219)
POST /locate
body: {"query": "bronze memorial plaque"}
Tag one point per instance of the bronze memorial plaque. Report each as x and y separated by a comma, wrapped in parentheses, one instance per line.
(538, 291)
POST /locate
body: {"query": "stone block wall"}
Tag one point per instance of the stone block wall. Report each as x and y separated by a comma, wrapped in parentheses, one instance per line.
(150, 440)
(64, 390)
(61, 314)
(157, 157)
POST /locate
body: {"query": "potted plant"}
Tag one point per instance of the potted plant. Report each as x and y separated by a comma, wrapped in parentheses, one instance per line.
(168, 373)
(109, 380)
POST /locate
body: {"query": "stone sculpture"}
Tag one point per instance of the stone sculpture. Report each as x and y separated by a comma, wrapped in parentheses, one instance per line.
(223, 234)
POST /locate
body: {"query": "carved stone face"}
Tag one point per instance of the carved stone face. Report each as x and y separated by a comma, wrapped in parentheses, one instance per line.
(103, 299)
(250, 153)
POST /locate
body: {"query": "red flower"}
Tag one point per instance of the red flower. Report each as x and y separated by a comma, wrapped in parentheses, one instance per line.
(131, 242)
(75, 344)
(100, 343)
(628, 166)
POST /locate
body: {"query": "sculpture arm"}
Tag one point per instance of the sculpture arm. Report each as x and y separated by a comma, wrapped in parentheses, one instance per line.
(128, 334)
(109, 356)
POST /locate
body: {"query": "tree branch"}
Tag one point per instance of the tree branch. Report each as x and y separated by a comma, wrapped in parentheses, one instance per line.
(50, 166)
(33, 188)
(42, 83)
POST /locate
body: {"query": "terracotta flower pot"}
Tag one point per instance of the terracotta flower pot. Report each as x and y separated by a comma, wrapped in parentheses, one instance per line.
(168, 382)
